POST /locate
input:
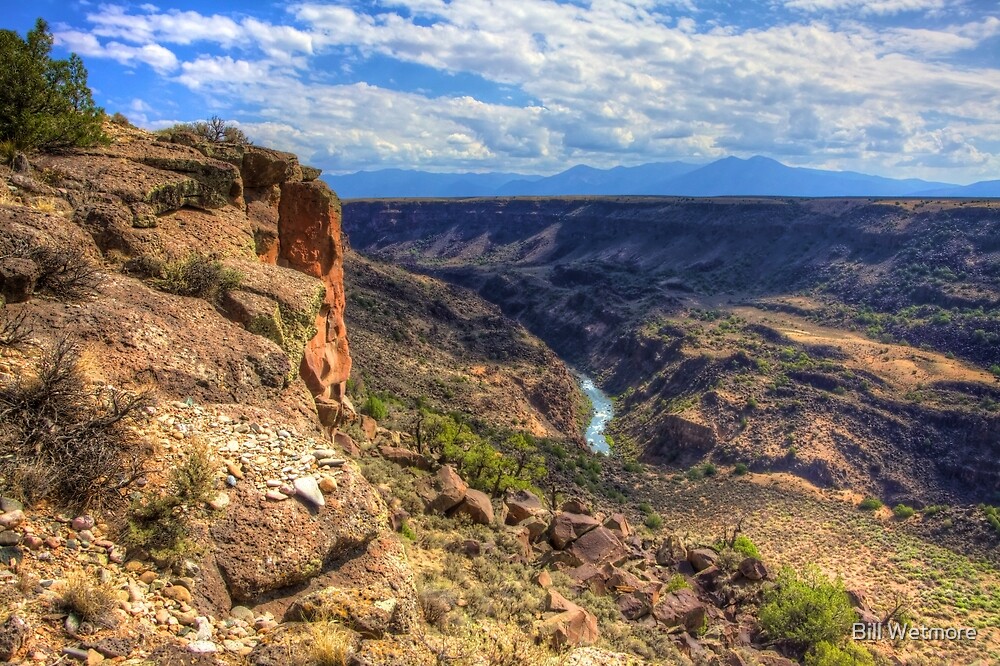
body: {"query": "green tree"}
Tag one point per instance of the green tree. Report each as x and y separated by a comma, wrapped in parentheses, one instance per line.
(807, 610)
(44, 103)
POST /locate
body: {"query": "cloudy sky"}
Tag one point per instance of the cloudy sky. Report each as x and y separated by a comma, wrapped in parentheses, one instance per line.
(893, 87)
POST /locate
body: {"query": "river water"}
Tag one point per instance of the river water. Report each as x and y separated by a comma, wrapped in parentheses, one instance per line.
(601, 414)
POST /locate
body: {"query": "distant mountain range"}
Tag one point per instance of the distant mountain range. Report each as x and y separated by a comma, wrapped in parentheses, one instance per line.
(730, 176)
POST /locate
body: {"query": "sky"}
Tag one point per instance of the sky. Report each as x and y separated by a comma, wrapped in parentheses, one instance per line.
(899, 88)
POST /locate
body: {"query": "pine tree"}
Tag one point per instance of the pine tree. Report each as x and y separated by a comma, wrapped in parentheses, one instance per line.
(44, 103)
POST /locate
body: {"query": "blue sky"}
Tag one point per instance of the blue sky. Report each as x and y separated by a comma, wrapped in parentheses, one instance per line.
(903, 88)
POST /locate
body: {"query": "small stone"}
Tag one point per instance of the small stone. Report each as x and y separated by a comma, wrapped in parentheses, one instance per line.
(84, 522)
(307, 488)
(273, 483)
(32, 542)
(148, 577)
(327, 484)
(8, 504)
(234, 469)
(162, 616)
(242, 613)
(332, 462)
(286, 489)
(178, 593)
(231, 481)
(75, 653)
(187, 618)
(9, 538)
(220, 501)
(11, 519)
(321, 454)
(53, 542)
(86, 536)
(274, 495)
(202, 647)
(94, 658)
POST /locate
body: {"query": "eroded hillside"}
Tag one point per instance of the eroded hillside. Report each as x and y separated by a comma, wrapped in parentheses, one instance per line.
(853, 342)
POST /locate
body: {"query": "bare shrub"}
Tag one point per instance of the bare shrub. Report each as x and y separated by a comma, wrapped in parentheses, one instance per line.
(55, 427)
(14, 331)
(91, 600)
(64, 272)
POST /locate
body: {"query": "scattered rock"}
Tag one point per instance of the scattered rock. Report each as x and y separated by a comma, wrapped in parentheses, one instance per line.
(450, 490)
(13, 636)
(522, 505)
(567, 526)
(17, 278)
(671, 551)
(308, 489)
(753, 569)
(599, 546)
(681, 608)
(405, 457)
(702, 558)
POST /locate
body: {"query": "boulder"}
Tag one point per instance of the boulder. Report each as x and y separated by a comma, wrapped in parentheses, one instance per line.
(575, 506)
(569, 626)
(405, 457)
(346, 443)
(536, 528)
(263, 167)
(522, 505)
(671, 551)
(369, 426)
(633, 606)
(599, 546)
(262, 546)
(702, 558)
(372, 594)
(753, 569)
(618, 523)
(681, 608)
(17, 279)
(450, 490)
(566, 527)
(477, 506)
(590, 576)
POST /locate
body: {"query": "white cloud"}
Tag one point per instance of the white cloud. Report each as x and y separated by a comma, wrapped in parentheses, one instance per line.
(611, 81)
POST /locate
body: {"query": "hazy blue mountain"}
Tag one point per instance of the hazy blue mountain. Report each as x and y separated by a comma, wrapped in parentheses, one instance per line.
(984, 188)
(583, 179)
(388, 183)
(732, 176)
(764, 176)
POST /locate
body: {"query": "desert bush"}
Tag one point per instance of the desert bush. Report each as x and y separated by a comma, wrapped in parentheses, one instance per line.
(159, 524)
(329, 644)
(375, 408)
(743, 545)
(806, 610)
(435, 604)
(44, 103)
(870, 504)
(676, 582)
(653, 521)
(825, 653)
(740, 469)
(119, 118)
(902, 512)
(213, 130)
(197, 275)
(63, 272)
(14, 331)
(91, 600)
(73, 441)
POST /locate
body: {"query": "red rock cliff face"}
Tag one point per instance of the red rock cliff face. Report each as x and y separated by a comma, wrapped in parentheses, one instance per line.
(310, 240)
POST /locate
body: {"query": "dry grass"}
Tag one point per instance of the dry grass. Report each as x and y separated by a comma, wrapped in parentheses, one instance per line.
(91, 600)
(329, 645)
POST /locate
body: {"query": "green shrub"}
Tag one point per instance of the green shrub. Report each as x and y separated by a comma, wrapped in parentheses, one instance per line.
(632, 466)
(375, 408)
(709, 469)
(743, 545)
(826, 653)
(870, 504)
(807, 610)
(902, 512)
(676, 582)
(197, 275)
(654, 521)
(645, 507)
(44, 103)
(740, 469)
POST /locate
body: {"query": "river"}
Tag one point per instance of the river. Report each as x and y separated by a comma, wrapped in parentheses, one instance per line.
(601, 414)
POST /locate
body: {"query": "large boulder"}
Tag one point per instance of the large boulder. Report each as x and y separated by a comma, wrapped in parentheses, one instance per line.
(702, 558)
(521, 505)
(599, 546)
(372, 594)
(567, 624)
(618, 523)
(263, 167)
(681, 608)
(17, 279)
(449, 489)
(566, 527)
(262, 546)
(477, 506)
(753, 569)
(405, 457)
(671, 552)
